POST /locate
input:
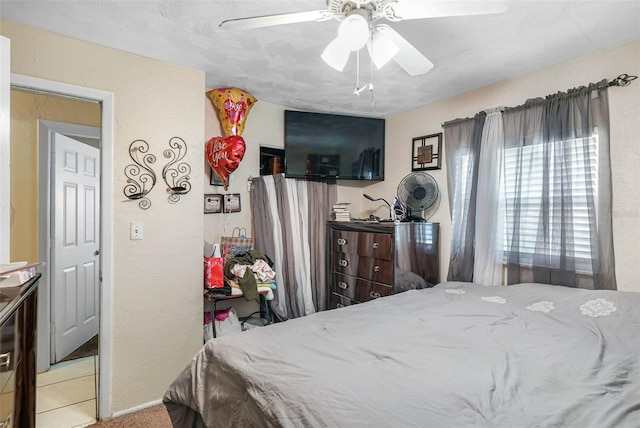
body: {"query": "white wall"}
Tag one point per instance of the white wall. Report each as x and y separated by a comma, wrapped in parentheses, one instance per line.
(625, 147)
(157, 282)
(264, 126)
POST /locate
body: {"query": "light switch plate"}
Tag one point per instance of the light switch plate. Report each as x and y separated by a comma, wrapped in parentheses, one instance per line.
(136, 231)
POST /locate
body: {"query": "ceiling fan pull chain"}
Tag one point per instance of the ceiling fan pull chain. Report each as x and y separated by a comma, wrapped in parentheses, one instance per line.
(371, 71)
(357, 89)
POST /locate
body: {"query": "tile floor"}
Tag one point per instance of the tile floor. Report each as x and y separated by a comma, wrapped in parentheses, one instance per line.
(66, 394)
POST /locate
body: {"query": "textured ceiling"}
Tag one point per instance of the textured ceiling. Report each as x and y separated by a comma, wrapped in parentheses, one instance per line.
(282, 64)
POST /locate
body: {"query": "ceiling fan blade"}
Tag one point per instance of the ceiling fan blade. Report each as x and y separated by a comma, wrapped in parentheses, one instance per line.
(417, 9)
(336, 54)
(270, 20)
(381, 48)
(407, 57)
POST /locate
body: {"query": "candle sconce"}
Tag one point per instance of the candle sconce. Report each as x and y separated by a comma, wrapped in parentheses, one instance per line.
(176, 173)
(140, 176)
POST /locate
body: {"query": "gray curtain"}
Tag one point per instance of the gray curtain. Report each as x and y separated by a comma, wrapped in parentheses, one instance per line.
(279, 207)
(462, 153)
(322, 197)
(559, 132)
(261, 219)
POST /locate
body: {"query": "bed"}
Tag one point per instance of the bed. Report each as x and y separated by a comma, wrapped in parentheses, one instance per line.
(455, 355)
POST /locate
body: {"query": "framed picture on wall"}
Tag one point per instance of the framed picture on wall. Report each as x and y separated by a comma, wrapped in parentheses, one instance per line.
(215, 180)
(425, 152)
(212, 203)
(232, 203)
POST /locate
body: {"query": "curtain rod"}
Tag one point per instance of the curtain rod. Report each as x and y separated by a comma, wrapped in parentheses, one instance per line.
(621, 80)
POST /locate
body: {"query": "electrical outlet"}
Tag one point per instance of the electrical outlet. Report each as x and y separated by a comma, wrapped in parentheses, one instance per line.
(136, 231)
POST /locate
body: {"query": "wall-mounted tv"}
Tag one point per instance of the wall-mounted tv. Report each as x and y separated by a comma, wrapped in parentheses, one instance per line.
(320, 146)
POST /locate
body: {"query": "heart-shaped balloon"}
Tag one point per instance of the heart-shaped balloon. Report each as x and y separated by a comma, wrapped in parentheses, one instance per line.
(224, 155)
(233, 106)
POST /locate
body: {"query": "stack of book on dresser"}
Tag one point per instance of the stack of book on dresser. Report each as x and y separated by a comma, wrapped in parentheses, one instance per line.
(340, 212)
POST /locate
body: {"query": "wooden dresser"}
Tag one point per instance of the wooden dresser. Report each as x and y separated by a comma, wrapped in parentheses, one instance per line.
(370, 260)
(18, 308)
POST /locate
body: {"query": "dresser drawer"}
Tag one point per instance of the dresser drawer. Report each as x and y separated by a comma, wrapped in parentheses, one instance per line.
(358, 289)
(345, 263)
(8, 350)
(376, 245)
(378, 270)
(343, 241)
(344, 285)
(338, 301)
(368, 290)
(364, 267)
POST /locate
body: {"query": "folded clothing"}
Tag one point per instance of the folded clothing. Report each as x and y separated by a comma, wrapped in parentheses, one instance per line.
(266, 287)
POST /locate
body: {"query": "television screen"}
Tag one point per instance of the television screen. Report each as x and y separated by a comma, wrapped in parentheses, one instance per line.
(319, 146)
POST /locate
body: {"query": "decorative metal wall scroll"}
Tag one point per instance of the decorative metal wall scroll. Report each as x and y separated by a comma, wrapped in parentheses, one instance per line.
(176, 173)
(140, 176)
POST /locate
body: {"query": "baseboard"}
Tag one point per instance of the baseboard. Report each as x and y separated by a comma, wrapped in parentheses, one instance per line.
(137, 408)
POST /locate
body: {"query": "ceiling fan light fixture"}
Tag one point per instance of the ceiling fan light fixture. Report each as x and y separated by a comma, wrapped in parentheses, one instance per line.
(354, 30)
(381, 48)
(336, 54)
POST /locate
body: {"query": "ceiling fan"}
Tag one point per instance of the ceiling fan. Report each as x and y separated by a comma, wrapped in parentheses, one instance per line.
(358, 27)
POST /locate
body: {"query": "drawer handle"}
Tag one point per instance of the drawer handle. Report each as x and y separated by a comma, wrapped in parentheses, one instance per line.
(342, 241)
(339, 305)
(375, 245)
(343, 285)
(5, 359)
(375, 294)
(376, 268)
(343, 263)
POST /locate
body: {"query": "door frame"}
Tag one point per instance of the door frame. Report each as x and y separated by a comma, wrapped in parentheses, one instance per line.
(5, 148)
(106, 217)
(46, 129)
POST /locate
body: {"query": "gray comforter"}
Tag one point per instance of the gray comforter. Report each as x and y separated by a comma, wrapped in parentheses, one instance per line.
(456, 355)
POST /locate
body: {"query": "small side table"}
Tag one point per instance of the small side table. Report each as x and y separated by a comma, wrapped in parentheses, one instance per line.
(214, 298)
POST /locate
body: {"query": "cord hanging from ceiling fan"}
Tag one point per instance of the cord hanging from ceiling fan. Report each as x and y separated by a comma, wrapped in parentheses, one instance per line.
(359, 89)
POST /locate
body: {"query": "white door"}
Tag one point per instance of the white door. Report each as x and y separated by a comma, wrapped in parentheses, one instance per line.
(75, 244)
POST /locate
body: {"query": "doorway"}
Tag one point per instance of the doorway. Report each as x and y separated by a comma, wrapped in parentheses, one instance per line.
(105, 100)
(61, 196)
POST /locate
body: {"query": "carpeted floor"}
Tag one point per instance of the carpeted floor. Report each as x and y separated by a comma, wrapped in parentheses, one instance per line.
(86, 350)
(151, 417)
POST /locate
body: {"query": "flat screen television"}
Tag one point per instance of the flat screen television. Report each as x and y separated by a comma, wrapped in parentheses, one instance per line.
(320, 146)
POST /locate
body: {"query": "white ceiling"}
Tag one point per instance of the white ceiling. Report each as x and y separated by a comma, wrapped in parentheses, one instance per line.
(282, 65)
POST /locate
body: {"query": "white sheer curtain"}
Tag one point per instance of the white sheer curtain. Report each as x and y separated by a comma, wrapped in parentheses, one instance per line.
(272, 206)
(489, 248)
(299, 209)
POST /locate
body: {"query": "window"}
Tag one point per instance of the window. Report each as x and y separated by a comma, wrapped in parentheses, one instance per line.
(524, 171)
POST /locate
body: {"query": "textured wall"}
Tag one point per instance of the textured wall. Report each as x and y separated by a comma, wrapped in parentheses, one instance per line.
(625, 151)
(157, 282)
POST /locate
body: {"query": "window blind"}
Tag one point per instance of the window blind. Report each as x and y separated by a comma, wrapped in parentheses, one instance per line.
(524, 172)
